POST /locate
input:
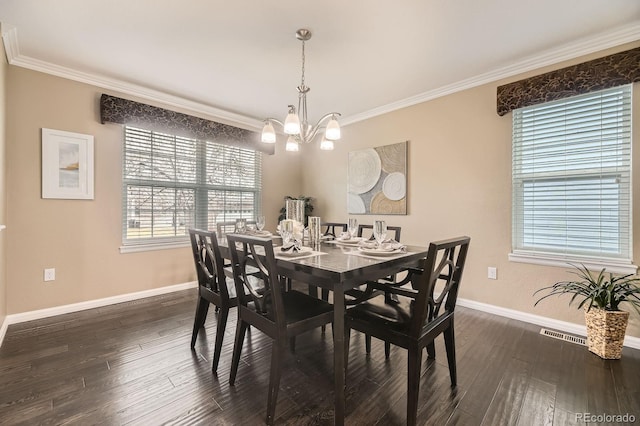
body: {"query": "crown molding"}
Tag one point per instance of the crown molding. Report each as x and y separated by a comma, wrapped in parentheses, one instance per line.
(10, 39)
(585, 46)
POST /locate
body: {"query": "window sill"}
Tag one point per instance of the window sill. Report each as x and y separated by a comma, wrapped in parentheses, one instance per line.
(137, 248)
(615, 266)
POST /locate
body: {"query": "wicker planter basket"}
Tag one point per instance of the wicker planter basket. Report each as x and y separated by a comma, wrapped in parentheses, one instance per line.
(605, 332)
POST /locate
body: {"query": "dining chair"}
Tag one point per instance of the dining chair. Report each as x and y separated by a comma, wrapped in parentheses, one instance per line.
(416, 319)
(278, 314)
(333, 229)
(214, 287)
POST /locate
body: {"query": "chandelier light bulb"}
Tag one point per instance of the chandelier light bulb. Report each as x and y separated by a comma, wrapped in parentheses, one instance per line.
(326, 145)
(292, 144)
(268, 133)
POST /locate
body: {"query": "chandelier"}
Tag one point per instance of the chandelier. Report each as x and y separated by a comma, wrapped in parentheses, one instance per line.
(297, 126)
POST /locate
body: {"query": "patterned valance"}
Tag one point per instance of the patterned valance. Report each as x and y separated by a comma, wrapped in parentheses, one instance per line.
(598, 74)
(124, 111)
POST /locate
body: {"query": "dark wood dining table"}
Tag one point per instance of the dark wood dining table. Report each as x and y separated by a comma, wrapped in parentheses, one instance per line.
(339, 268)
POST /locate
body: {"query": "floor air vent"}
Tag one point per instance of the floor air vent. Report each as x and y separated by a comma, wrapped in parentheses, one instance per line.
(563, 336)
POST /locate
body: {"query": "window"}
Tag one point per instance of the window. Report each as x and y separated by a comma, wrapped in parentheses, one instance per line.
(171, 184)
(572, 179)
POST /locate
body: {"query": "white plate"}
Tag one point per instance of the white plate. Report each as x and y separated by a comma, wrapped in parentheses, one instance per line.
(262, 233)
(379, 252)
(292, 253)
(350, 242)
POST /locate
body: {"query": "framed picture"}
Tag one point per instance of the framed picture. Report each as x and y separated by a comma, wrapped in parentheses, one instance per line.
(377, 181)
(67, 165)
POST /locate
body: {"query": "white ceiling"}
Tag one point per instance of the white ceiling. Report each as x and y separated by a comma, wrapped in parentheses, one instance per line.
(240, 60)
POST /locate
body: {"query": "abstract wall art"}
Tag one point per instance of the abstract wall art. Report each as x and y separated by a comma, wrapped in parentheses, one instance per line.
(377, 181)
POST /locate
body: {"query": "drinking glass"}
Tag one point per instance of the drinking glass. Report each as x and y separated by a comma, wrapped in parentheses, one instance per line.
(286, 231)
(353, 226)
(380, 231)
(260, 223)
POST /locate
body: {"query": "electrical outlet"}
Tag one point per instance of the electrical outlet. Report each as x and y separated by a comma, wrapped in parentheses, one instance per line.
(50, 274)
(492, 273)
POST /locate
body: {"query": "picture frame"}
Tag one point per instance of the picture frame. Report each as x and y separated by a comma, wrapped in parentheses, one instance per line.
(67, 165)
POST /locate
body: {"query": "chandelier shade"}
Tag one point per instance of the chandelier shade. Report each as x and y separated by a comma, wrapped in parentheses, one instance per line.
(296, 124)
(292, 144)
(268, 133)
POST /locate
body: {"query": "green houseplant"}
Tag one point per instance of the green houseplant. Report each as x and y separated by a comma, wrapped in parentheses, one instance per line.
(600, 296)
(308, 207)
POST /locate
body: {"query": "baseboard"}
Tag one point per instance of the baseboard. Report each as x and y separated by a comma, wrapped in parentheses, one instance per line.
(81, 306)
(3, 329)
(568, 327)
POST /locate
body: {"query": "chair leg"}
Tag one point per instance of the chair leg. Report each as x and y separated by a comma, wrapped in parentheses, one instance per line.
(237, 350)
(414, 362)
(431, 350)
(222, 325)
(202, 308)
(367, 343)
(450, 345)
(387, 350)
(277, 353)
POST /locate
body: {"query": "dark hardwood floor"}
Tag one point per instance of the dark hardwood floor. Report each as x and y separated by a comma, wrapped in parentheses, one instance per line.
(131, 364)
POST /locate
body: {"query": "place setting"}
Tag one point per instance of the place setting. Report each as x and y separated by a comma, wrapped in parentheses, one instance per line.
(380, 246)
(292, 246)
(349, 237)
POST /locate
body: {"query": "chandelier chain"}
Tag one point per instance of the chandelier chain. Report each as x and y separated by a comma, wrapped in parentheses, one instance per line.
(303, 58)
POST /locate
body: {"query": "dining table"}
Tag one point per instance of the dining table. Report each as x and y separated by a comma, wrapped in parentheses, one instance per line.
(338, 267)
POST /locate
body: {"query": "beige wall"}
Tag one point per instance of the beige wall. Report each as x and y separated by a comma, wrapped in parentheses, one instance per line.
(3, 188)
(81, 238)
(459, 182)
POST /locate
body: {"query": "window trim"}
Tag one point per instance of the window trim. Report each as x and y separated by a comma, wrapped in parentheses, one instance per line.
(592, 263)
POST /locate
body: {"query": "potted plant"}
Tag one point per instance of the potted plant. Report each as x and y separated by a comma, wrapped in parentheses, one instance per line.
(600, 296)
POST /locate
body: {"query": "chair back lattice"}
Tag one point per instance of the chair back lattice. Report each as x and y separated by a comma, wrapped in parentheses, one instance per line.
(441, 273)
(208, 261)
(334, 228)
(255, 273)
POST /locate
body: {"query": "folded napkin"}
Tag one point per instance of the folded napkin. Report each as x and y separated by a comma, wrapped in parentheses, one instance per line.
(344, 236)
(392, 244)
(294, 246)
(369, 244)
(387, 245)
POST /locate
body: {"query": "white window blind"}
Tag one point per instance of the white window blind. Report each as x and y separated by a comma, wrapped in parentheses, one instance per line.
(572, 177)
(171, 184)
